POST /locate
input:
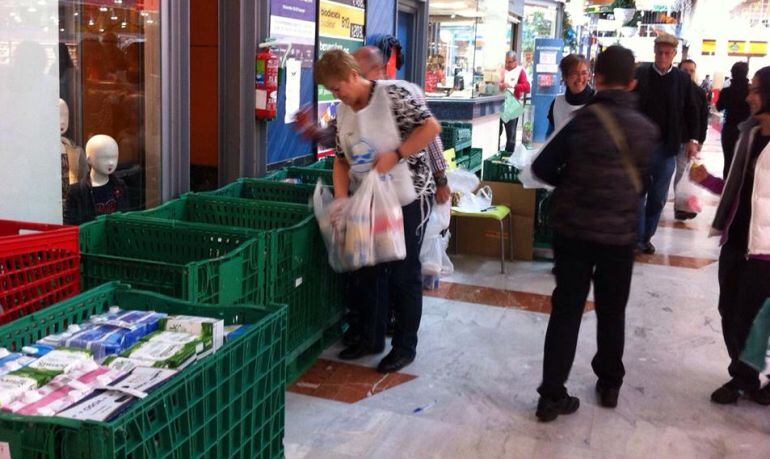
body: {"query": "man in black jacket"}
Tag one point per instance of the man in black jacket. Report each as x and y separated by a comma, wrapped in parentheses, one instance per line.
(689, 67)
(597, 163)
(666, 97)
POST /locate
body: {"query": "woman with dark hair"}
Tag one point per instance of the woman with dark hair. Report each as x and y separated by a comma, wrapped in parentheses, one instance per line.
(732, 100)
(743, 221)
(574, 71)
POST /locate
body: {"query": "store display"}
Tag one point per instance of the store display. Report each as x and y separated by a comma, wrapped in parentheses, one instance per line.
(102, 192)
(110, 360)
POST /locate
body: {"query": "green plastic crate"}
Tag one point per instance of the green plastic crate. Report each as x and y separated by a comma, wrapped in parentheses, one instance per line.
(475, 155)
(199, 263)
(228, 404)
(463, 163)
(326, 162)
(295, 267)
(497, 169)
(303, 175)
(265, 190)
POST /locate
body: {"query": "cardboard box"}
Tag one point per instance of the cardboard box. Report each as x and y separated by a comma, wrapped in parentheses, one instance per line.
(478, 236)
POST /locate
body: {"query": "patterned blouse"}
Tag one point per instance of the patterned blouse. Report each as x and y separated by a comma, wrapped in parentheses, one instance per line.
(409, 115)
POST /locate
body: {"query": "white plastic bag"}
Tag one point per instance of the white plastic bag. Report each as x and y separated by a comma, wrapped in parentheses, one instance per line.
(387, 220)
(359, 243)
(686, 197)
(526, 177)
(438, 220)
(462, 181)
(478, 202)
(433, 256)
(521, 157)
(333, 233)
(403, 184)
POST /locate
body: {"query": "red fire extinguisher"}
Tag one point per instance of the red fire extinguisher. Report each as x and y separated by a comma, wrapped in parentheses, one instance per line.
(266, 85)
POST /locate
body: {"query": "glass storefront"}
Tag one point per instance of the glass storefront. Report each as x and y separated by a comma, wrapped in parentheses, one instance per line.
(468, 40)
(109, 76)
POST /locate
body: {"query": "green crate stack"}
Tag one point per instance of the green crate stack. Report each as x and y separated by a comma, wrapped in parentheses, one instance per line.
(295, 266)
(302, 175)
(447, 136)
(475, 159)
(326, 162)
(198, 263)
(265, 190)
(543, 228)
(228, 404)
(497, 169)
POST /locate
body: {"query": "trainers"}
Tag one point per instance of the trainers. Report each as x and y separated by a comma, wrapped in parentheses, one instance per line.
(608, 396)
(548, 410)
(726, 395)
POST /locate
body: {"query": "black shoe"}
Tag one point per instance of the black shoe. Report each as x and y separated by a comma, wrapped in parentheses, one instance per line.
(761, 396)
(608, 396)
(682, 215)
(351, 338)
(357, 351)
(394, 361)
(647, 248)
(726, 395)
(548, 410)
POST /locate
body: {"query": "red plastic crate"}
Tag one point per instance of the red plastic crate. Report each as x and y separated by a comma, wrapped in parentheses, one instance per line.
(39, 266)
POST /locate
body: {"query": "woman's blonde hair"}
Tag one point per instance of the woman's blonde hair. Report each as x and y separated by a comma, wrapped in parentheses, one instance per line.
(335, 64)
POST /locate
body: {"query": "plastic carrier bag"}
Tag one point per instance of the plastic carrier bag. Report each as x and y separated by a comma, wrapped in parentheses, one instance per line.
(333, 232)
(387, 220)
(686, 194)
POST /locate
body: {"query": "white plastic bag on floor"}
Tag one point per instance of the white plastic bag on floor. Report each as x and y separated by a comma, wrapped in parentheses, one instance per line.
(331, 222)
(388, 220)
(433, 256)
(687, 193)
(359, 243)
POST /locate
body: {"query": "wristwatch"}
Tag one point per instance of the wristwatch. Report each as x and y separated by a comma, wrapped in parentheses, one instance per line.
(441, 180)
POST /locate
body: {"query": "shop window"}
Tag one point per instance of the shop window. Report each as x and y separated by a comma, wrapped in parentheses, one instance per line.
(466, 53)
(109, 76)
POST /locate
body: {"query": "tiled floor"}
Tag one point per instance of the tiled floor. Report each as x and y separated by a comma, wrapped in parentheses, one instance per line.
(471, 391)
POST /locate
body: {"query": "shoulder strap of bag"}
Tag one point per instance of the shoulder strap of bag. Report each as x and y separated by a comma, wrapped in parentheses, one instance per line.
(619, 139)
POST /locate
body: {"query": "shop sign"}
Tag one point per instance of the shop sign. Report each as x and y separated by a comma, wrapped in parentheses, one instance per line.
(708, 47)
(293, 21)
(748, 49)
(340, 25)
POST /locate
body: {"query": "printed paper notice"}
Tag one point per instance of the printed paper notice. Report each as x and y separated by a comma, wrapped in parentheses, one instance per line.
(293, 77)
(5, 450)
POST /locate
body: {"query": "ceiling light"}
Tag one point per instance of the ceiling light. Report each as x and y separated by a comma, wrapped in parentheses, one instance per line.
(103, 9)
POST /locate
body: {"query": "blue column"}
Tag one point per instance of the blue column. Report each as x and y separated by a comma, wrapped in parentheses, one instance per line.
(546, 83)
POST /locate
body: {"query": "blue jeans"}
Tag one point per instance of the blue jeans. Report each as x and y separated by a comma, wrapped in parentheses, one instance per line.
(662, 165)
(400, 280)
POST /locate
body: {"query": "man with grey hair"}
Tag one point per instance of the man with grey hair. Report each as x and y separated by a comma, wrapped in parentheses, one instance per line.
(514, 80)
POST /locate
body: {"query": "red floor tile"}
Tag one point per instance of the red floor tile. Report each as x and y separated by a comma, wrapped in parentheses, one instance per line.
(345, 382)
(495, 297)
(675, 260)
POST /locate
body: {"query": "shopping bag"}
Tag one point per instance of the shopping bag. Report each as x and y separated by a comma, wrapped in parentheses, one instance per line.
(387, 220)
(461, 180)
(686, 197)
(401, 176)
(756, 352)
(521, 157)
(331, 223)
(475, 202)
(512, 108)
(359, 242)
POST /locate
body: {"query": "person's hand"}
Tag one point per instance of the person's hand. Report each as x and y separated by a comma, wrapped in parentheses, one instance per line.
(303, 121)
(698, 173)
(691, 150)
(443, 194)
(502, 86)
(337, 211)
(386, 161)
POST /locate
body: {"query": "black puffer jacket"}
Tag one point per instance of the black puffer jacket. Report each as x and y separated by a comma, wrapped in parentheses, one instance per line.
(595, 199)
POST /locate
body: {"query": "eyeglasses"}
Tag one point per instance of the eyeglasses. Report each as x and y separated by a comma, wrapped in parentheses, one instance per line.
(584, 73)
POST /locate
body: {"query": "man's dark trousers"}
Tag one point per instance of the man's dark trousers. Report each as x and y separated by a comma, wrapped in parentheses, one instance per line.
(662, 165)
(577, 263)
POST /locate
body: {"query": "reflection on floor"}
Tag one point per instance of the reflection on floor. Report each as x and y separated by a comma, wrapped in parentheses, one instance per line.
(480, 356)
